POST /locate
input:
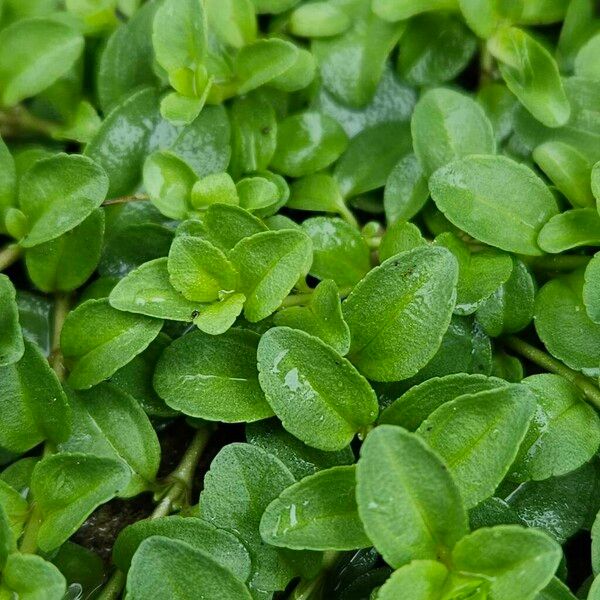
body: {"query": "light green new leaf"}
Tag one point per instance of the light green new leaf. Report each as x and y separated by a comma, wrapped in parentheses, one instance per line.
(317, 513)
(58, 193)
(11, 336)
(213, 377)
(213, 189)
(108, 422)
(447, 125)
(68, 488)
(571, 229)
(317, 192)
(531, 74)
(225, 225)
(517, 562)
(586, 61)
(478, 436)
(199, 270)
(34, 53)
(322, 317)
(166, 568)
(400, 237)
(405, 191)
(97, 340)
(409, 505)
(318, 395)
(476, 193)
(147, 290)
(318, 19)
(30, 577)
(34, 406)
(269, 265)
(220, 316)
(224, 547)
(591, 289)
(394, 331)
(233, 21)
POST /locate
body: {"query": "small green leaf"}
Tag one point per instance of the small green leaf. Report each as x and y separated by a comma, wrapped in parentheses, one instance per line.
(571, 229)
(269, 265)
(30, 577)
(163, 567)
(97, 340)
(394, 333)
(11, 336)
(233, 21)
(220, 316)
(591, 289)
(400, 237)
(15, 509)
(317, 513)
(198, 371)
(408, 503)
(405, 191)
(586, 61)
(477, 192)
(317, 192)
(213, 189)
(515, 560)
(398, 10)
(318, 395)
(256, 193)
(226, 225)
(318, 19)
(59, 193)
(68, 487)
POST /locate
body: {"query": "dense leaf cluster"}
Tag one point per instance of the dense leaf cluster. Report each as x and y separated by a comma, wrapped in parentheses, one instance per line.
(315, 227)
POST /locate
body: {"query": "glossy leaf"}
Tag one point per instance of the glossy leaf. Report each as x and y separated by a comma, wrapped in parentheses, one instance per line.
(591, 291)
(406, 190)
(11, 337)
(571, 229)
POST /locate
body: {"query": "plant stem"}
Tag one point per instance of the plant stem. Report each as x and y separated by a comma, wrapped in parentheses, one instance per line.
(9, 255)
(56, 360)
(347, 214)
(126, 199)
(18, 121)
(296, 300)
(181, 479)
(306, 588)
(544, 360)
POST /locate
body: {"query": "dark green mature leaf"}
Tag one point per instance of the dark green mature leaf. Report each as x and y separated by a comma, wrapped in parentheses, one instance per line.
(58, 193)
(571, 229)
(223, 547)
(408, 503)
(97, 340)
(34, 54)
(68, 487)
(213, 377)
(515, 560)
(317, 513)
(11, 336)
(34, 406)
(242, 481)
(318, 395)
(448, 125)
(394, 333)
(477, 192)
(30, 577)
(166, 568)
(269, 265)
(478, 436)
(82, 568)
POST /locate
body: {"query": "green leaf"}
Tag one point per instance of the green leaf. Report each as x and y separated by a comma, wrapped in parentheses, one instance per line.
(405, 191)
(446, 126)
(499, 104)
(318, 19)
(563, 325)
(578, 26)
(199, 270)
(226, 225)
(220, 316)
(8, 183)
(11, 336)
(478, 436)
(531, 74)
(306, 143)
(510, 308)
(586, 63)
(398, 10)
(339, 251)
(147, 290)
(477, 192)
(507, 367)
(7, 538)
(34, 406)
(480, 273)
(317, 192)
(66, 262)
(34, 54)
(407, 501)
(416, 404)
(97, 340)
(164, 567)
(68, 487)
(322, 317)
(242, 481)
(197, 371)
(317, 513)
(269, 265)
(213, 189)
(400, 237)
(300, 459)
(273, 6)
(256, 193)
(394, 333)
(109, 423)
(234, 21)
(59, 193)
(80, 567)
(571, 229)
(223, 547)
(591, 291)
(30, 577)
(318, 395)
(513, 559)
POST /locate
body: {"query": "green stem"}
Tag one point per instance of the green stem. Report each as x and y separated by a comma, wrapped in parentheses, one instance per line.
(9, 255)
(296, 300)
(56, 360)
(486, 65)
(547, 362)
(308, 588)
(126, 199)
(347, 214)
(181, 483)
(18, 121)
(559, 263)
